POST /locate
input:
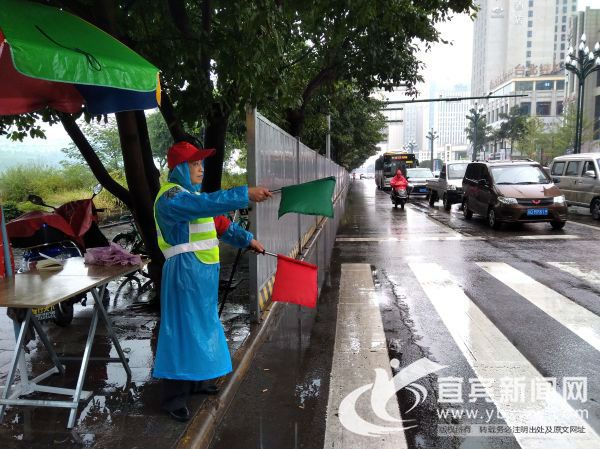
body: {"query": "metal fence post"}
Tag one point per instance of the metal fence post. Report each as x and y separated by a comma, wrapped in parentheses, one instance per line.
(252, 170)
(298, 182)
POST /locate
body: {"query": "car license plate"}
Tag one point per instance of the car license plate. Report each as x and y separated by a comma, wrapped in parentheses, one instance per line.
(423, 189)
(537, 212)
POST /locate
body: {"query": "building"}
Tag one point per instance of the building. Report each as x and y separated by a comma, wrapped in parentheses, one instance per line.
(516, 37)
(545, 99)
(587, 22)
(413, 128)
(450, 121)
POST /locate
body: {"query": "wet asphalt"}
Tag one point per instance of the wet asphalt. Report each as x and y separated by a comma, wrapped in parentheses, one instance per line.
(282, 403)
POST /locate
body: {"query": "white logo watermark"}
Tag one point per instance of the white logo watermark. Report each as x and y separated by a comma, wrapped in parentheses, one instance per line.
(382, 390)
(450, 391)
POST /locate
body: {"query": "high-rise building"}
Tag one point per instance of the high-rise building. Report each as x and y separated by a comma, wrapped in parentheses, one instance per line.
(413, 127)
(450, 116)
(514, 38)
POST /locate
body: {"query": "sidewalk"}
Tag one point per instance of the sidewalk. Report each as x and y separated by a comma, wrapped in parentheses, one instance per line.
(111, 418)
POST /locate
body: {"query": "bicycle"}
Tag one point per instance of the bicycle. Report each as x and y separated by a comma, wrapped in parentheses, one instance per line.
(132, 241)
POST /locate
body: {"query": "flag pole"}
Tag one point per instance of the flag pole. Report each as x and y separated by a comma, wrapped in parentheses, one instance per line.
(267, 253)
(276, 190)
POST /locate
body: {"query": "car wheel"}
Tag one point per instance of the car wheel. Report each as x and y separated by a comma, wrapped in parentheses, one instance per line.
(558, 225)
(432, 198)
(492, 219)
(595, 209)
(447, 204)
(467, 213)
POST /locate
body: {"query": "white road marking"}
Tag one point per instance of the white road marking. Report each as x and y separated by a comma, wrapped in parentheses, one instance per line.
(407, 239)
(492, 356)
(574, 317)
(421, 238)
(595, 228)
(360, 348)
(573, 268)
(547, 237)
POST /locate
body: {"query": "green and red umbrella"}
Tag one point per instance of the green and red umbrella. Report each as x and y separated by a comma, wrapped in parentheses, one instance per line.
(51, 58)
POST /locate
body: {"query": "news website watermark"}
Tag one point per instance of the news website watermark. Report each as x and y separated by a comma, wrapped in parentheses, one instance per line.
(464, 406)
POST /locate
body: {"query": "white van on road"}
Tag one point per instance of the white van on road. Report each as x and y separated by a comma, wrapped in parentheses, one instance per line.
(579, 176)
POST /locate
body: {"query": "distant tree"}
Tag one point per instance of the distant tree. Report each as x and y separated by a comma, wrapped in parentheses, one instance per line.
(160, 137)
(477, 130)
(104, 137)
(513, 125)
(535, 139)
(356, 124)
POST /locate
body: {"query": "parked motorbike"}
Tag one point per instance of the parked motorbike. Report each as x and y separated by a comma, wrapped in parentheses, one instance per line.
(61, 234)
(399, 197)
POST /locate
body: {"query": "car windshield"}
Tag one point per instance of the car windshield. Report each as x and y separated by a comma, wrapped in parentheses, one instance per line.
(519, 174)
(456, 171)
(419, 173)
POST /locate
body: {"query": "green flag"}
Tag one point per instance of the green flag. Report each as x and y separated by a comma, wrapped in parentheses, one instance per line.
(309, 198)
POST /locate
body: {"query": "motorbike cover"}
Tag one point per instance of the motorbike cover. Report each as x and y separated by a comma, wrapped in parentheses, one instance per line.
(28, 224)
(79, 214)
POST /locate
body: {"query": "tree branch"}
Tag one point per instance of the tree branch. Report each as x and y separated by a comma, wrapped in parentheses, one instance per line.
(206, 30)
(180, 18)
(175, 127)
(94, 161)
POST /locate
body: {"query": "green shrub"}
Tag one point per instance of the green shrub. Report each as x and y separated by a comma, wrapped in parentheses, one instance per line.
(230, 180)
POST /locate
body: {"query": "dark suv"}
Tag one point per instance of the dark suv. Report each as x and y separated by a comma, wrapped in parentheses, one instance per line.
(512, 192)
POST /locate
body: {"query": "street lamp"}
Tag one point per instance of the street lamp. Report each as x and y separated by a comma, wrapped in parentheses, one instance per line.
(476, 116)
(581, 63)
(431, 136)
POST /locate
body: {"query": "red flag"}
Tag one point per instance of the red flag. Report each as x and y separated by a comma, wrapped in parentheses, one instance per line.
(295, 282)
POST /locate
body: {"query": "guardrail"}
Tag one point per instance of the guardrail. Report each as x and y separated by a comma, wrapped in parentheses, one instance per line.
(277, 159)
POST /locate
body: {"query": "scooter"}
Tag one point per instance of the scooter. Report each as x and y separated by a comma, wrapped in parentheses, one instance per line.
(399, 197)
(61, 234)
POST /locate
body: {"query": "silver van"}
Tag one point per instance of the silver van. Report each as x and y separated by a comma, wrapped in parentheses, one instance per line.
(579, 176)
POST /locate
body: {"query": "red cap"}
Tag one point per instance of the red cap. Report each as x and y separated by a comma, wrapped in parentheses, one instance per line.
(186, 152)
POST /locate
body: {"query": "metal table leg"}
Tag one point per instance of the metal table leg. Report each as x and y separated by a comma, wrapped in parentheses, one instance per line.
(11, 395)
(47, 345)
(82, 371)
(97, 295)
(13, 366)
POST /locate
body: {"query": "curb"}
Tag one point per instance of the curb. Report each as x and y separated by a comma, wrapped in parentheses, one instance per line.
(201, 430)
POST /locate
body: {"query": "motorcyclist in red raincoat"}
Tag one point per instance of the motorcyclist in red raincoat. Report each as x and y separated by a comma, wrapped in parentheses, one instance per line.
(399, 182)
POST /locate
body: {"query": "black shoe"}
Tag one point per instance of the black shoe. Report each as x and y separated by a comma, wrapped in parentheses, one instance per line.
(181, 414)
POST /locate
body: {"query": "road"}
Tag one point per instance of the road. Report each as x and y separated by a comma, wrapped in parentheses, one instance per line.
(502, 328)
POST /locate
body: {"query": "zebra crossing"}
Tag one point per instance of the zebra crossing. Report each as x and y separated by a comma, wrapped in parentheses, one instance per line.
(493, 356)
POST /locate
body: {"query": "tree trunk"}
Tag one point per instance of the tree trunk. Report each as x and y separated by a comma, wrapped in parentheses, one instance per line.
(94, 161)
(216, 130)
(152, 173)
(295, 118)
(141, 194)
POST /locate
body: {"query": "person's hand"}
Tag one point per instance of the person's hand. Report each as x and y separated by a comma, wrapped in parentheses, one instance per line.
(258, 194)
(256, 246)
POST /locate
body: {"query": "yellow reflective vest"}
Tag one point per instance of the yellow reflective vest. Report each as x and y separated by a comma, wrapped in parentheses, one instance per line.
(202, 240)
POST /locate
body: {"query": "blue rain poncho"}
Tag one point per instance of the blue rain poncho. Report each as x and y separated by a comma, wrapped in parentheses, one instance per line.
(191, 340)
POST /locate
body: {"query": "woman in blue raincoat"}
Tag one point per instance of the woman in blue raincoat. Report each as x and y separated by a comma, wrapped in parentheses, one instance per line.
(191, 342)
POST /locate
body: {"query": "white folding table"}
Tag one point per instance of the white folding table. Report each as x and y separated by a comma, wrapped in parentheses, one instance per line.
(37, 289)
